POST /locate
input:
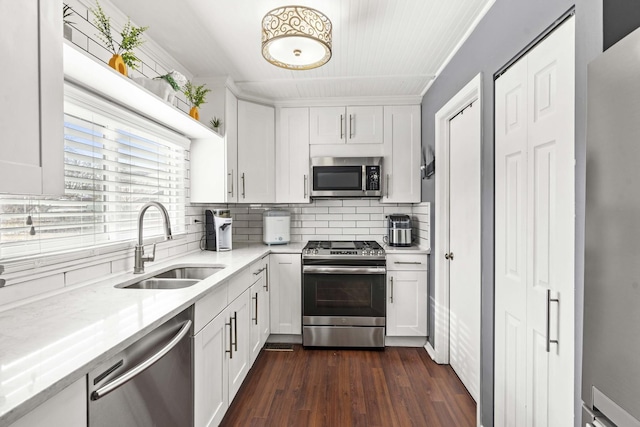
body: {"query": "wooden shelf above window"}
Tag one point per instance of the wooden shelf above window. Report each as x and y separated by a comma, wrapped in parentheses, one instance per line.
(81, 69)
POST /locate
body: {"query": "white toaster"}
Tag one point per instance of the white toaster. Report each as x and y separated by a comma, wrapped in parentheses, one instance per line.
(276, 227)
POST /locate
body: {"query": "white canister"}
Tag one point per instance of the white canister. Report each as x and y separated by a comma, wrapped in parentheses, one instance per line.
(276, 227)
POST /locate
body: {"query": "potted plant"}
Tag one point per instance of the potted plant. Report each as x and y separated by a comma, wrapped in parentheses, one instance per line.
(165, 86)
(196, 96)
(67, 11)
(123, 56)
(215, 124)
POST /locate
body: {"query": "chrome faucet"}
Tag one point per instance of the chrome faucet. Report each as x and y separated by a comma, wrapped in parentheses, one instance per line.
(140, 259)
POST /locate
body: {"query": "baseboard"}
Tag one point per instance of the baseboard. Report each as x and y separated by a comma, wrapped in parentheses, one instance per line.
(404, 341)
(430, 350)
(285, 338)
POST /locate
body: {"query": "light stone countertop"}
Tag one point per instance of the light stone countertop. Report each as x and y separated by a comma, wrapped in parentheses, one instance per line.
(48, 344)
(406, 250)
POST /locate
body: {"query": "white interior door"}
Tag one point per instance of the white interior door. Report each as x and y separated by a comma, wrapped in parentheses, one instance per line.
(535, 236)
(464, 247)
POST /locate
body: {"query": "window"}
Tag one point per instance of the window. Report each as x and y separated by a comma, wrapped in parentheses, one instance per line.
(114, 163)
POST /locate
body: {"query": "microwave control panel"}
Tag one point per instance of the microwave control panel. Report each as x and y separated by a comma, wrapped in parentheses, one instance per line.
(372, 174)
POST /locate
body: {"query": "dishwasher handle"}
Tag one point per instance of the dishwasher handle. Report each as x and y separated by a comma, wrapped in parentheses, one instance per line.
(138, 369)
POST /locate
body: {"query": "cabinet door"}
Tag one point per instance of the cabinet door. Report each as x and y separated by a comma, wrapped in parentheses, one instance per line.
(239, 363)
(286, 294)
(258, 295)
(67, 408)
(231, 145)
(211, 371)
(256, 153)
(31, 111)
(407, 303)
(292, 156)
(327, 125)
(364, 125)
(402, 158)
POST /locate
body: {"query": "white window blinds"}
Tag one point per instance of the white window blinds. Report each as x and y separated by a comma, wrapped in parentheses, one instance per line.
(114, 163)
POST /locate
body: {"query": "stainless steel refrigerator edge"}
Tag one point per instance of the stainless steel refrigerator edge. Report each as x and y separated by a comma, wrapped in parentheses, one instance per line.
(611, 353)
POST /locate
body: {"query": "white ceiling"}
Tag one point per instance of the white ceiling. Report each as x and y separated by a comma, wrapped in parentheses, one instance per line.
(380, 47)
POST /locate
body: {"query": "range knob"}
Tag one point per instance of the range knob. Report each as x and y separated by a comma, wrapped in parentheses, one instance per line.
(380, 252)
(315, 251)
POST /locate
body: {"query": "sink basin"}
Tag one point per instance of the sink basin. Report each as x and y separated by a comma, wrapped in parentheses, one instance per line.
(155, 283)
(198, 273)
(174, 278)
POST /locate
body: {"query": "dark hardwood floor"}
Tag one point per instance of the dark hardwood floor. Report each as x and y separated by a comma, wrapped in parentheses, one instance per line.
(340, 388)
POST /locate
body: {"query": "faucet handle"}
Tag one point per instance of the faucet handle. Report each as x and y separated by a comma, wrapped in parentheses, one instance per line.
(153, 254)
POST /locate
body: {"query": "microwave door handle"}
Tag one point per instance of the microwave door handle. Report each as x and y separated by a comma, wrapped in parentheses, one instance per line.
(364, 178)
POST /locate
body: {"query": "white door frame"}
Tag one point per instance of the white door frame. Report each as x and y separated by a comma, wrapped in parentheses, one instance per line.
(470, 93)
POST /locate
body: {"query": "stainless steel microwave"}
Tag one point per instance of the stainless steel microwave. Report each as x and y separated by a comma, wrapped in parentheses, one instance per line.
(338, 177)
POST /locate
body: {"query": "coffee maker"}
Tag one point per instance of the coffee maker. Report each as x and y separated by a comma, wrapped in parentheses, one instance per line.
(218, 225)
(398, 230)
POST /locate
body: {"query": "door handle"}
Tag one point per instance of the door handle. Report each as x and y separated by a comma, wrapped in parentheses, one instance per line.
(449, 256)
(243, 186)
(138, 369)
(230, 351)
(407, 262)
(391, 298)
(255, 319)
(549, 301)
(341, 126)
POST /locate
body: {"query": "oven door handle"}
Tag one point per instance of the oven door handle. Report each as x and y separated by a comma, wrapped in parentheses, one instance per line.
(325, 269)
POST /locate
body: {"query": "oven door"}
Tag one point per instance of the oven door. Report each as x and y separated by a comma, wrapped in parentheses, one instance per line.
(332, 291)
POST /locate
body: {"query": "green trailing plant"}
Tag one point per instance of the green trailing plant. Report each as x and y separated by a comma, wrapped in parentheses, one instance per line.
(130, 34)
(215, 122)
(67, 11)
(196, 95)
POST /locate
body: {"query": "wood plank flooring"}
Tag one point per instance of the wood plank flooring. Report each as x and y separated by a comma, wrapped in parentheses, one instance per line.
(340, 388)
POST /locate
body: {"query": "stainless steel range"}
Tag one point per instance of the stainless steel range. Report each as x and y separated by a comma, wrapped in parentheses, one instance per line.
(343, 294)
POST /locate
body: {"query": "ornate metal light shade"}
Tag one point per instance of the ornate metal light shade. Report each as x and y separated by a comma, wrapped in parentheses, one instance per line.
(296, 38)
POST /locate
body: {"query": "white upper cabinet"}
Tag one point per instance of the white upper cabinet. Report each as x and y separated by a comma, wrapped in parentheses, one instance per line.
(31, 111)
(292, 156)
(402, 148)
(214, 160)
(340, 125)
(256, 153)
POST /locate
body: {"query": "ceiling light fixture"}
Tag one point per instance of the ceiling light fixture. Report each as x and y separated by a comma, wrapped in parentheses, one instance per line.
(296, 38)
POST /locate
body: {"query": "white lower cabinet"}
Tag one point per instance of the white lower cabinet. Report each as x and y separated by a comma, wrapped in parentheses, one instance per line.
(286, 294)
(211, 371)
(67, 408)
(407, 295)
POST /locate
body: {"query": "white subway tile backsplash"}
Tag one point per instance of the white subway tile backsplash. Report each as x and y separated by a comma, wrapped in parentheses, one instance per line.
(329, 203)
(356, 217)
(329, 217)
(342, 224)
(329, 230)
(370, 210)
(315, 224)
(342, 210)
(356, 203)
(315, 210)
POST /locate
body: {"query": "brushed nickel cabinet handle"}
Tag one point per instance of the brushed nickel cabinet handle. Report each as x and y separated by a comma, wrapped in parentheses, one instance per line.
(243, 186)
(255, 298)
(230, 351)
(266, 278)
(231, 179)
(305, 186)
(350, 126)
(391, 299)
(235, 330)
(388, 184)
(549, 301)
(341, 126)
(407, 262)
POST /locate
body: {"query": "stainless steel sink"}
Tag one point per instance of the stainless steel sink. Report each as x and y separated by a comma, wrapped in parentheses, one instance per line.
(198, 273)
(174, 278)
(153, 283)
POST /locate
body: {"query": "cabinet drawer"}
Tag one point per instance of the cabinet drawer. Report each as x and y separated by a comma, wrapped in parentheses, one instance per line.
(240, 283)
(210, 306)
(407, 262)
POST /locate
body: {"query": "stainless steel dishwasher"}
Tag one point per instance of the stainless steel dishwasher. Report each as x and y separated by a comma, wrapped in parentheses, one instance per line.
(149, 383)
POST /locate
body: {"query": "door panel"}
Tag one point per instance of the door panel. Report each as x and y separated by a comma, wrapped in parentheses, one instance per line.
(535, 233)
(464, 243)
